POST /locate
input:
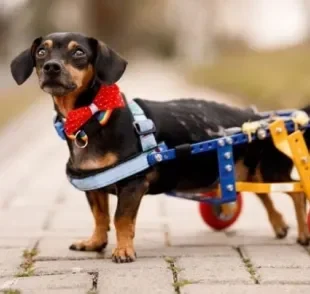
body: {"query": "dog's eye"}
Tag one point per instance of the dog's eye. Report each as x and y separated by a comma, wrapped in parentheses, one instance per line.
(78, 53)
(41, 53)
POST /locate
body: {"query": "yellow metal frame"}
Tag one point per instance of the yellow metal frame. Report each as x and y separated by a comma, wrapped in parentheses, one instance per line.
(293, 146)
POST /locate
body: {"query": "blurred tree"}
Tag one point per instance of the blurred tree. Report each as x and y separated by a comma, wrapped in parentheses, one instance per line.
(109, 19)
(41, 22)
(193, 26)
(3, 35)
(306, 10)
(127, 25)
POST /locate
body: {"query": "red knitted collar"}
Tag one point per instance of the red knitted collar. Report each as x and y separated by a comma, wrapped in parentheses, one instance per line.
(108, 98)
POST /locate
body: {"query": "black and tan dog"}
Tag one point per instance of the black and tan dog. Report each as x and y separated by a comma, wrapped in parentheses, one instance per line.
(72, 67)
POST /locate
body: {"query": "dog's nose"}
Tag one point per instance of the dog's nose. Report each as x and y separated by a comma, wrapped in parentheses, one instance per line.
(52, 67)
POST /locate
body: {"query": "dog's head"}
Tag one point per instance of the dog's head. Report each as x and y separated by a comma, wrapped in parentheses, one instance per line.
(67, 63)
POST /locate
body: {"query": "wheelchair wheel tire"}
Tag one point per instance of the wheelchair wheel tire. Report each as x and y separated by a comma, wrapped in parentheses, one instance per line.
(210, 214)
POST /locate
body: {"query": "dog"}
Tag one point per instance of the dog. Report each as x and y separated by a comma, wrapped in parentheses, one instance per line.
(72, 68)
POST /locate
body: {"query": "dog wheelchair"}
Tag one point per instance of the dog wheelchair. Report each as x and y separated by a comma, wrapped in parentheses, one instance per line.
(221, 207)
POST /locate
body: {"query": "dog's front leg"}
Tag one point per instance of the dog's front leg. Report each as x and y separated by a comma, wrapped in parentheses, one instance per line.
(129, 199)
(99, 204)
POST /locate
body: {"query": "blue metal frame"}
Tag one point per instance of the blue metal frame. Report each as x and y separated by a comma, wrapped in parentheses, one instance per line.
(224, 148)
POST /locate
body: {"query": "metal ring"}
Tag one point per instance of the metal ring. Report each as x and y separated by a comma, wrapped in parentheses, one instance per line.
(76, 142)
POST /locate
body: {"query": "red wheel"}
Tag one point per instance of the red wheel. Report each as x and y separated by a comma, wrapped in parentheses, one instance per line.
(309, 220)
(212, 214)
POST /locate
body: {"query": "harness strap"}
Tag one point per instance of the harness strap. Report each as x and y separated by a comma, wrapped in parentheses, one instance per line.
(59, 127)
(122, 171)
(145, 128)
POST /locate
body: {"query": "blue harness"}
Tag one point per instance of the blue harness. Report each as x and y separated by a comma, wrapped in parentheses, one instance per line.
(145, 129)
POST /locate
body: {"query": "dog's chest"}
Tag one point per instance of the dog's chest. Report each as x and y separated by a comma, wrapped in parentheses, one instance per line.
(86, 159)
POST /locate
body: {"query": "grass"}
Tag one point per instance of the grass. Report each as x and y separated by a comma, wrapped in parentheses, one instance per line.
(175, 270)
(183, 282)
(268, 79)
(248, 265)
(27, 265)
(10, 291)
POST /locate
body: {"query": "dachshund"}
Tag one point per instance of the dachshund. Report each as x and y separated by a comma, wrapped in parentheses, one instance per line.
(73, 69)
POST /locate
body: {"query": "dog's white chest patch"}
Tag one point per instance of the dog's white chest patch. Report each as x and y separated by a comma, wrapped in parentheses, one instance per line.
(294, 174)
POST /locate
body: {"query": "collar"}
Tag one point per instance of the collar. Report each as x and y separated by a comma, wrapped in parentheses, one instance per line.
(106, 100)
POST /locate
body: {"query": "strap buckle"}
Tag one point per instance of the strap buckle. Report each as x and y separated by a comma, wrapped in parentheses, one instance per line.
(144, 127)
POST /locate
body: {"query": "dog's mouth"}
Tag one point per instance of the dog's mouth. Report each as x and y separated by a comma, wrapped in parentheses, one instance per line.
(57, 88)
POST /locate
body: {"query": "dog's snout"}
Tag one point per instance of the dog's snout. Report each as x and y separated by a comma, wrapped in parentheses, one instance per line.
(52, 67)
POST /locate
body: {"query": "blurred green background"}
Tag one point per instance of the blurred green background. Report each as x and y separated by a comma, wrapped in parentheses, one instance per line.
(257, 50)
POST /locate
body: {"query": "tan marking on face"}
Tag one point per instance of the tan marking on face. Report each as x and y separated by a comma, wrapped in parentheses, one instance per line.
(37, 71)
(72, 45)
(105, 161)
(81, 78)
(48, 43)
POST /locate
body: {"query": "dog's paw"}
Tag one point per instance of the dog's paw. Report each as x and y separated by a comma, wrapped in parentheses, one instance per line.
(88, 245)
(122, 255)
(303, 239)
(281, 231)
(279, 226)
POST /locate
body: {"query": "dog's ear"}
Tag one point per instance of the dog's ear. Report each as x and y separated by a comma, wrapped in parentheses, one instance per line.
(109, 66)
(23, 64)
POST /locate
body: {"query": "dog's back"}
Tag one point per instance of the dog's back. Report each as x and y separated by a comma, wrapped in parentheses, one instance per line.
(190, 120)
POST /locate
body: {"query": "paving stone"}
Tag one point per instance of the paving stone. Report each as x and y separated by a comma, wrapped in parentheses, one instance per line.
(80, 214)
(147, 274)
(278, 256)
(284, 275)
(202, 251)
(243, 237)
(76, 283)
(58, 248)
(197, 238)
(182, 215)
(80, 217)
(17, 242)
(10, 259)
(42, 192)
(71, 266)
(8, 232)
(219, 269)
(154, 280)
(8, 283)
(58, 291)
(244, 289)
(21, 218)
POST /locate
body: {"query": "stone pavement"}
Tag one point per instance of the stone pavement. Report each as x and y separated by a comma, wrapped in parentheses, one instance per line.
(41, 214)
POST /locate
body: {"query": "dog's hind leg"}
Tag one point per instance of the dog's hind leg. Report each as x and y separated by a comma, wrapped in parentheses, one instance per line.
(275, 217)
(129, 199)
(99, 204)
(299, 200)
